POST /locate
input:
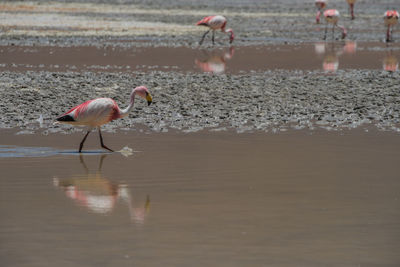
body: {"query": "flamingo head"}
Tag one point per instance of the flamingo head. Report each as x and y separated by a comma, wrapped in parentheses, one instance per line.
(143, 92)
(231, 35)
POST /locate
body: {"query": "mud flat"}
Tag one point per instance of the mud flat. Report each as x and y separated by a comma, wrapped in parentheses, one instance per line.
(269, 101)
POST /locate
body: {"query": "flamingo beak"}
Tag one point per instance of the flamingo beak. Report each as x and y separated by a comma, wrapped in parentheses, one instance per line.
(149, 99)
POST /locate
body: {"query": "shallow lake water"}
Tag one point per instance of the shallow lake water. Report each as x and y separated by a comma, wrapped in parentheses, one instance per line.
(226, 199)
(326, 56)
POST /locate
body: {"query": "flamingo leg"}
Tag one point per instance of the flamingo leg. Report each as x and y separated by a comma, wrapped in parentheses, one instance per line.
(102, 144)
(326, 29)
(333, 32)
(352, 11)
(388, 34)
(204, 36)
(83, 141)
(101, 162)
(83, 164)
(213, 34)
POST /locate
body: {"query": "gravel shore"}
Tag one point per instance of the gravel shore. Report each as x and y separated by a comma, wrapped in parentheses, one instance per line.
(271, 101)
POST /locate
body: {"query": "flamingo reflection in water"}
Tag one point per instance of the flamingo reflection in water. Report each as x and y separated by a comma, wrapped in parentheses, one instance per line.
(390, 62)
(332, 52)
(215, 61)
(99, 195)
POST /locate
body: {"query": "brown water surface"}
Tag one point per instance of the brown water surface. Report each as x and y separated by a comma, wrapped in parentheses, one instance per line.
(319, 56)
(220, 199)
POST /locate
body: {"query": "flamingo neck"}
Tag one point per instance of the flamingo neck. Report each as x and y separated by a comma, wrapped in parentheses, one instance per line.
(231, 34)
(124, 112)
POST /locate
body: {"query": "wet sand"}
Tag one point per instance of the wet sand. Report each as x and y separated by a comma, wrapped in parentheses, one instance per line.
(289, 199)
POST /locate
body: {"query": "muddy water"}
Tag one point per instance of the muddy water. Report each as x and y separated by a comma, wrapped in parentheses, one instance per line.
(293, 199)
(319, 56)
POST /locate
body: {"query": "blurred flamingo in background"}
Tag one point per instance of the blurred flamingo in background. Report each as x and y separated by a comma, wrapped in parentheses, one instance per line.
(351, 5)
(96, 112)
(391, 18)
(332, 17)
(320, 4)
(215, 23)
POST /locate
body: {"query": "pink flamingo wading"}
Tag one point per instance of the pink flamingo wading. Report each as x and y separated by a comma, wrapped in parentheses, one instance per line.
(351, 5)
(215, 23)
(332, 17)
(320, 4)
(96, 112)
(391, 18)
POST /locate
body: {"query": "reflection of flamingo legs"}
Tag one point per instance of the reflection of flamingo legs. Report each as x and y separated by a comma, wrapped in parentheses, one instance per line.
(85, 166)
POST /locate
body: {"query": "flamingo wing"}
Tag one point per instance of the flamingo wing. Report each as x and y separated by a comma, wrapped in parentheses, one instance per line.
(217, 22)
(204, 21)
(93, 113)
(214, 22)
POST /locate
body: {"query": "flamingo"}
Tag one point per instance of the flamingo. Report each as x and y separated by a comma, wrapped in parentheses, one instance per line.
(351, 4)
(332, 17)
(215, 23)
(96, 112)
(391, 18)
(321, 4)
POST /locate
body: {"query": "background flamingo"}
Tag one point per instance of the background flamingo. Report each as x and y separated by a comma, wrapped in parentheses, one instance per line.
(391, 18)
(332, 17)
(351, 5)
(96, 112)
(215, 23)
(320, 4)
